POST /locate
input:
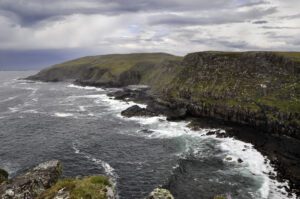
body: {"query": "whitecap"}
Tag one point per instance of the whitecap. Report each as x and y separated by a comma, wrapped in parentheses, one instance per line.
(63, 114)
(82, 108)
(13, 109)
(8, 99)
(85, 87)
(31, 111)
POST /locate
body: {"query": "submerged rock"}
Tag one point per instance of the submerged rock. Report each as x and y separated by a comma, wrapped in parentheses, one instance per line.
(3, 175)
(33, 182)
(135, 110)
(160, 193)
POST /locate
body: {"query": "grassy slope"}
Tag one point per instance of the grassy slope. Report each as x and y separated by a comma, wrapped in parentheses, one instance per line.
(88, 187)
(92, 67)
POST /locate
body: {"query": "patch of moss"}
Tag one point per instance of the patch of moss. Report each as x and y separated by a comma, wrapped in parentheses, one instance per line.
(94, 187)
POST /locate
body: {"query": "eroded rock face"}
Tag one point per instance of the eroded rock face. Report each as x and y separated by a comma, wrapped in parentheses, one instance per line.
(160, 193)
(33, 182)
(138, 111)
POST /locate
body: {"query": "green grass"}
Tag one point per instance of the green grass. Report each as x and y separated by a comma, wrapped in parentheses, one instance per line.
(295, 56)
(94, 187)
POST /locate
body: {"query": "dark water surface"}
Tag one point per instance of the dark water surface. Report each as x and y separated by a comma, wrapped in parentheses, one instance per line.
(83, 128)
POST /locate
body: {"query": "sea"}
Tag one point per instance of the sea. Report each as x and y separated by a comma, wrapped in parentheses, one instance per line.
(83, 128)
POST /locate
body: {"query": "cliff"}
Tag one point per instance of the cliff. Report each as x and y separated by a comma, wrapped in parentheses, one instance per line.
(256, 89)
(260, 89)
(104, 70)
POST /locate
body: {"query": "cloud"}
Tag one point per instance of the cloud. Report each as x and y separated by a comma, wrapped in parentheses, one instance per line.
(212, 19)
(260, 22)
(120, 26)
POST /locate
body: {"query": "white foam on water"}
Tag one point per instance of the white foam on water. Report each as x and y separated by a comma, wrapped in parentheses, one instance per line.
(257, 164)
(109, 170)
(13, 109)
(8, 99)
(82, 108)
(31, 111)
(85, 96)
(85, 87)
(253, 160)
(63, 114)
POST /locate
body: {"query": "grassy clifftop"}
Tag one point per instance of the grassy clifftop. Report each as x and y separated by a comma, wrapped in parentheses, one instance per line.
(101, 69)
(257, 88)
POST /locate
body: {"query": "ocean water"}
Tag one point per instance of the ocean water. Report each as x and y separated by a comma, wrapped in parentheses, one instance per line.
(82, 127)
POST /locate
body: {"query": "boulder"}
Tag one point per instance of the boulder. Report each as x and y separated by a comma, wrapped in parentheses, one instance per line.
(160, 193)
(33, 182)
(3, 175)
(136, 111)
(177, 114)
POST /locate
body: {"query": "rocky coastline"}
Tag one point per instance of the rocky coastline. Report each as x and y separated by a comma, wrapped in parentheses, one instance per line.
(44, 181)
(253, 96)
(282, 151)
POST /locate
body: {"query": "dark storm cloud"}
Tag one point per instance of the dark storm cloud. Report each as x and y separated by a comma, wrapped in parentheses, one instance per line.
(32, 11)
(218, 18)
(225, 43)
(260, 22)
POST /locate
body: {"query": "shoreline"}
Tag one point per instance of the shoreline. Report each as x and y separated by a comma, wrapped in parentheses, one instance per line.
(274, 147)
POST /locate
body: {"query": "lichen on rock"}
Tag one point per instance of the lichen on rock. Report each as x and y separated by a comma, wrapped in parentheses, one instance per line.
(33, 182)
(160, 193)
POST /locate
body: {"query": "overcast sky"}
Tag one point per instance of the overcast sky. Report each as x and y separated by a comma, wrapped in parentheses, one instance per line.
(38, 33)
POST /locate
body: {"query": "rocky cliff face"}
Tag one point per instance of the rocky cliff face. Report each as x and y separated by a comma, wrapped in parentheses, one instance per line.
(260, 89)
(33, 182)
(256, 88)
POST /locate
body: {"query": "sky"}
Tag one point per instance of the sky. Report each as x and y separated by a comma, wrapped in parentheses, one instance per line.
(39, 33)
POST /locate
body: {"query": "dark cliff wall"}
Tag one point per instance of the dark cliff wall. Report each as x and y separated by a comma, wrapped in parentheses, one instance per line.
(260, 89)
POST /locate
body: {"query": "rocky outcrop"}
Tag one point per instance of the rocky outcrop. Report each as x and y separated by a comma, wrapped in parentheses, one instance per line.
(160, 193)
(3, 176)
(136, 111)
(96, 186)
(33, 182)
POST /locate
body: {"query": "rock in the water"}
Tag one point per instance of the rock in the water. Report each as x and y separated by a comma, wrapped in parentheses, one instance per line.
(3, 175)
(33, 182)
(135, 110)
(160, 193)
(177, 114)
(146, 131)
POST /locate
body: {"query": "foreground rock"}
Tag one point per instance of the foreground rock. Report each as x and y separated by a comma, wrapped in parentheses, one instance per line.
(136, 111)
(3, 175)
(33, 182)
(160, 193)
(94, 187)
